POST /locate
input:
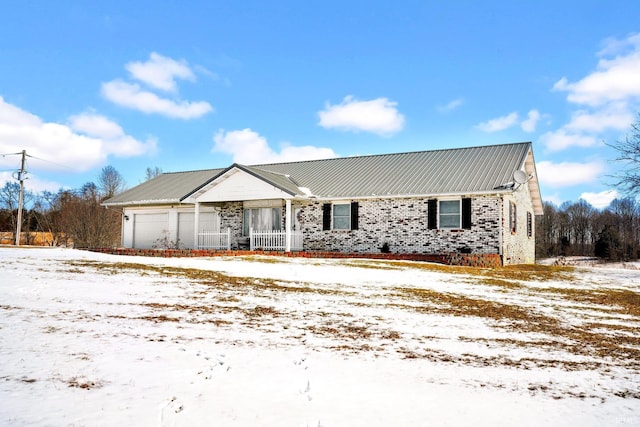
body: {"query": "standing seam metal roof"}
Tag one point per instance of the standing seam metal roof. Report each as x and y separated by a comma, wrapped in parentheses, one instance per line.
(460, 170)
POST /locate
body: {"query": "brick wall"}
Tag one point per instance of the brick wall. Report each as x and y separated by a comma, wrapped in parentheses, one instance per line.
(470, 260)
(231, 217)
(402, 225)
(519, 248)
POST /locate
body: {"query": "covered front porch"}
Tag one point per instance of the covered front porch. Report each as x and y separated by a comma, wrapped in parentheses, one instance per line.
(252, 214)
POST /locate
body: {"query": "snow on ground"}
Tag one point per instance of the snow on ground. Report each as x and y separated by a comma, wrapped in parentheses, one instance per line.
(101, 340)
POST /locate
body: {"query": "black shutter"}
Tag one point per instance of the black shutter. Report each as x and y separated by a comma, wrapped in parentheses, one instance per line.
(432, 214)
(354, 215)
(466, 213)
(326, 216)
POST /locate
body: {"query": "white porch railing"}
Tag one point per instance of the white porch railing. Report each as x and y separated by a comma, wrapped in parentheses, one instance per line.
(211, 240)
(274, 240)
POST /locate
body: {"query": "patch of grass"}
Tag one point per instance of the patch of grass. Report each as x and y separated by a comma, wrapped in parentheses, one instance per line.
(160, 318)
(83, 383)
(209, 278)
(260, 311)
(579, 340)
(620, 300)
(459, 305)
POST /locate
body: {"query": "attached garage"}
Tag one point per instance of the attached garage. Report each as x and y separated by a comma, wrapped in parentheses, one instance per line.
(209, 221)
(149, 228)
(186, 222)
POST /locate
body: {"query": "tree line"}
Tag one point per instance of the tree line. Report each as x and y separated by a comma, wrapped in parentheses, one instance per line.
(70, 216)
(577, 228)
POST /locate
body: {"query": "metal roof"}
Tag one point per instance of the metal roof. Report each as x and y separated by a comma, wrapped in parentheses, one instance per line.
(462, 170)
(170, 187)
(451, 171)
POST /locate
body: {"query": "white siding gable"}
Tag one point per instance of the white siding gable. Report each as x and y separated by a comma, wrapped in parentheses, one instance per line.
(237, 185)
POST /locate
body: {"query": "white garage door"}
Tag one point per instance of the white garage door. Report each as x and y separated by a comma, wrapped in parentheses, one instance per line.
(149, 230)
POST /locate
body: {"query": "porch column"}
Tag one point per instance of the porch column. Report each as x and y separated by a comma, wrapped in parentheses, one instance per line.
(196, 226)
(287, 225)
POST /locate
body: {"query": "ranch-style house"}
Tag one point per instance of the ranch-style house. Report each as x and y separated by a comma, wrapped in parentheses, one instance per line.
(476, 200)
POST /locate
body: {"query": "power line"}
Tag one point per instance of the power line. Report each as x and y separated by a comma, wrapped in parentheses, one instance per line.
(37, 158)
(49, 161)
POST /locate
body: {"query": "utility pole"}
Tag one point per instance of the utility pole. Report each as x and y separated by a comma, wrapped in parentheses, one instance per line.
(21, 179)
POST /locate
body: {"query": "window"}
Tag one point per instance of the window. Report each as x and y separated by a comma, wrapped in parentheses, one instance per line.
(340, 216)
(529, 224)
(513, 221)
(263, 219)
(449, 214)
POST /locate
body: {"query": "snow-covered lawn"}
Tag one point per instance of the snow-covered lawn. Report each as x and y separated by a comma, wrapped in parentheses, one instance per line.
(101, 340)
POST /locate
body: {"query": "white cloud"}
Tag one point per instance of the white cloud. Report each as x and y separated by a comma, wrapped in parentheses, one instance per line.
(529, 125)
(113, 137)
(615, 116)
(614, 46)
(498, 124)
(379, 116)
(452, 105)
(586, 127)
(95, 125)
(600, 200)
(567, 174)
(614, 79)
(248, 147)
(562, 139)
(160, 72)
(84, 143)
(132, 96)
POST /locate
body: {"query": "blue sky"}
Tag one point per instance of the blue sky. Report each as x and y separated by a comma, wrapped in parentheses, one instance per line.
(185, 85)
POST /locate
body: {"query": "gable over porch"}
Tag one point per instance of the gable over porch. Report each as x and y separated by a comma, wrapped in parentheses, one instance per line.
(260, 199)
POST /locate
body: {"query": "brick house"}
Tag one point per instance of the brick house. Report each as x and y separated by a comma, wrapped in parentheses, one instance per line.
(477, 200)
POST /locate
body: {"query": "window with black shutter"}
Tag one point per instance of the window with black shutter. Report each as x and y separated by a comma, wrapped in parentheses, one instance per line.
(466, 214)
(326, 216)
(432, 214)
(354, 215)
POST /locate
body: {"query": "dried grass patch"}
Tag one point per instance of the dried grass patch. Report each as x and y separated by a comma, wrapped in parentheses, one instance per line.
(579, 340)
(620, 300)
(83, 383)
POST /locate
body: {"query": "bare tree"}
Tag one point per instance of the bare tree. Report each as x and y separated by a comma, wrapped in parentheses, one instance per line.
(110, 182)
(627, 213)
(547, 234)
(85, 221)
(152, 173)
(581, 224)
(629, 153)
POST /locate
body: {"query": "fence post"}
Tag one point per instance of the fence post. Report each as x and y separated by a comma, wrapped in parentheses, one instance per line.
(228, 238)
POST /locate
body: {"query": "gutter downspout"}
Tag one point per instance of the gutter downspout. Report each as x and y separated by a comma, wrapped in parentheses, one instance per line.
(501, 229)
